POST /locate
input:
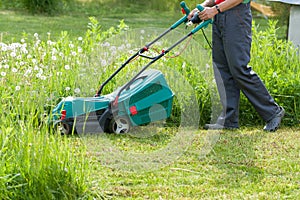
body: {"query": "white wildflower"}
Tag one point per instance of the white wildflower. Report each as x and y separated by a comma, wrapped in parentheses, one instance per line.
(14, 70)
(3, 47)
(106, 44)
(77, 90)
(122, 47)
(54, 51)
(24, 50)
(103, 62)
(67, 67)
(36, 68)
(28, 71)
(49, 42)
(37, 43)
(13, 54)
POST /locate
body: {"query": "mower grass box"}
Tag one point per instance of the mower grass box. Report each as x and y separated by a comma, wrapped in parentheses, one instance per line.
(145, 100)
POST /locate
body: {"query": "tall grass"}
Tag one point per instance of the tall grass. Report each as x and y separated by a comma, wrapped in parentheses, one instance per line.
(34, 164)
(277, 61)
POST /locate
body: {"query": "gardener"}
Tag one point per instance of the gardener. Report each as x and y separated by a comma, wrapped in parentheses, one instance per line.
(231, 55)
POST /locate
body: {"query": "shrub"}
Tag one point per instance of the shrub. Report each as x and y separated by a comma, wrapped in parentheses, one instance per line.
(50, 7)
(45, 6)
(277, 61)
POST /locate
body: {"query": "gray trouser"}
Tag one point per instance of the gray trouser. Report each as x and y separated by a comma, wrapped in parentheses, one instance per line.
(231, 55)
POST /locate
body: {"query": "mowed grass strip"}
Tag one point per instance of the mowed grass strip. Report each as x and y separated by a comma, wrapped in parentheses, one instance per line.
(243, 164)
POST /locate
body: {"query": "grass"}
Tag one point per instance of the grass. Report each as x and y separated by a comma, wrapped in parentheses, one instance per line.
(160, 163)
(75, 23)
(244, 164)
(75, 20)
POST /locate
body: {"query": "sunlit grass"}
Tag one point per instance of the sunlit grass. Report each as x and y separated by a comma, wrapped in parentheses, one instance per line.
(41, 66)
(248, 163)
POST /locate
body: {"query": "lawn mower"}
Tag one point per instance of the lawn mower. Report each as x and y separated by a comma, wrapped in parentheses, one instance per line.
(143, 99)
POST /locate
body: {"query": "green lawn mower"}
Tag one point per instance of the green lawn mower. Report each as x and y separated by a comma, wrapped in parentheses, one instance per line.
(143, 99)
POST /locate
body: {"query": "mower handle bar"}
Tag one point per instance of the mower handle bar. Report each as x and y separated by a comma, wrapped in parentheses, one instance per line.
(184, 19)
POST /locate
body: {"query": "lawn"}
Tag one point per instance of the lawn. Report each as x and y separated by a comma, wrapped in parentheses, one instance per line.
(244, 164)
(151, 162)
(14, 22)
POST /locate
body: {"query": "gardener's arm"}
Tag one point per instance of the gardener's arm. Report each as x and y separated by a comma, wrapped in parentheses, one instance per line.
(210, 9)
(209, 12)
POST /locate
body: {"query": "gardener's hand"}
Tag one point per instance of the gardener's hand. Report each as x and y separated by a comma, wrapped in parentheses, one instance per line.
(208, 13)
(190, 16)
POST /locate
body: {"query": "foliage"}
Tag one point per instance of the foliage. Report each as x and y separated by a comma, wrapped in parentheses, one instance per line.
(34, 75)
(50, 7)
(277, 62)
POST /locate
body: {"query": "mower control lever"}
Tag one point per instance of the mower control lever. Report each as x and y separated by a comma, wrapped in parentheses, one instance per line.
(184, 18)
(196, 19)
(185, 8)
(202, 24)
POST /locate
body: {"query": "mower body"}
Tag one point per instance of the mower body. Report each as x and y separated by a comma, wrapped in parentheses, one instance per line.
(148, 98)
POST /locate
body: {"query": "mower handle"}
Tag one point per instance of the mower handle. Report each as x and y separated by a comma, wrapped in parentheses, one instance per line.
(184, 19)
(203, 24)
(200, 7)
(185, 8)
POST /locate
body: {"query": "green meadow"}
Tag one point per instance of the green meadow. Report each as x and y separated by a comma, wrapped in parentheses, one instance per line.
(44, 58)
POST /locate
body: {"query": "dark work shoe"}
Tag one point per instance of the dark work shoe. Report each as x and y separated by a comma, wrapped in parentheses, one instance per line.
(217, 127)
(274, 123)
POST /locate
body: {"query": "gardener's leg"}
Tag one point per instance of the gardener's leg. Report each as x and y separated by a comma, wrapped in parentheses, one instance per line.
(237, 47)
(227, 87)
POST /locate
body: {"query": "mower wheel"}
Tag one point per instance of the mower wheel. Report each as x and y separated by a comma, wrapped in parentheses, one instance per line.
(119, 125)
(64, 128)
